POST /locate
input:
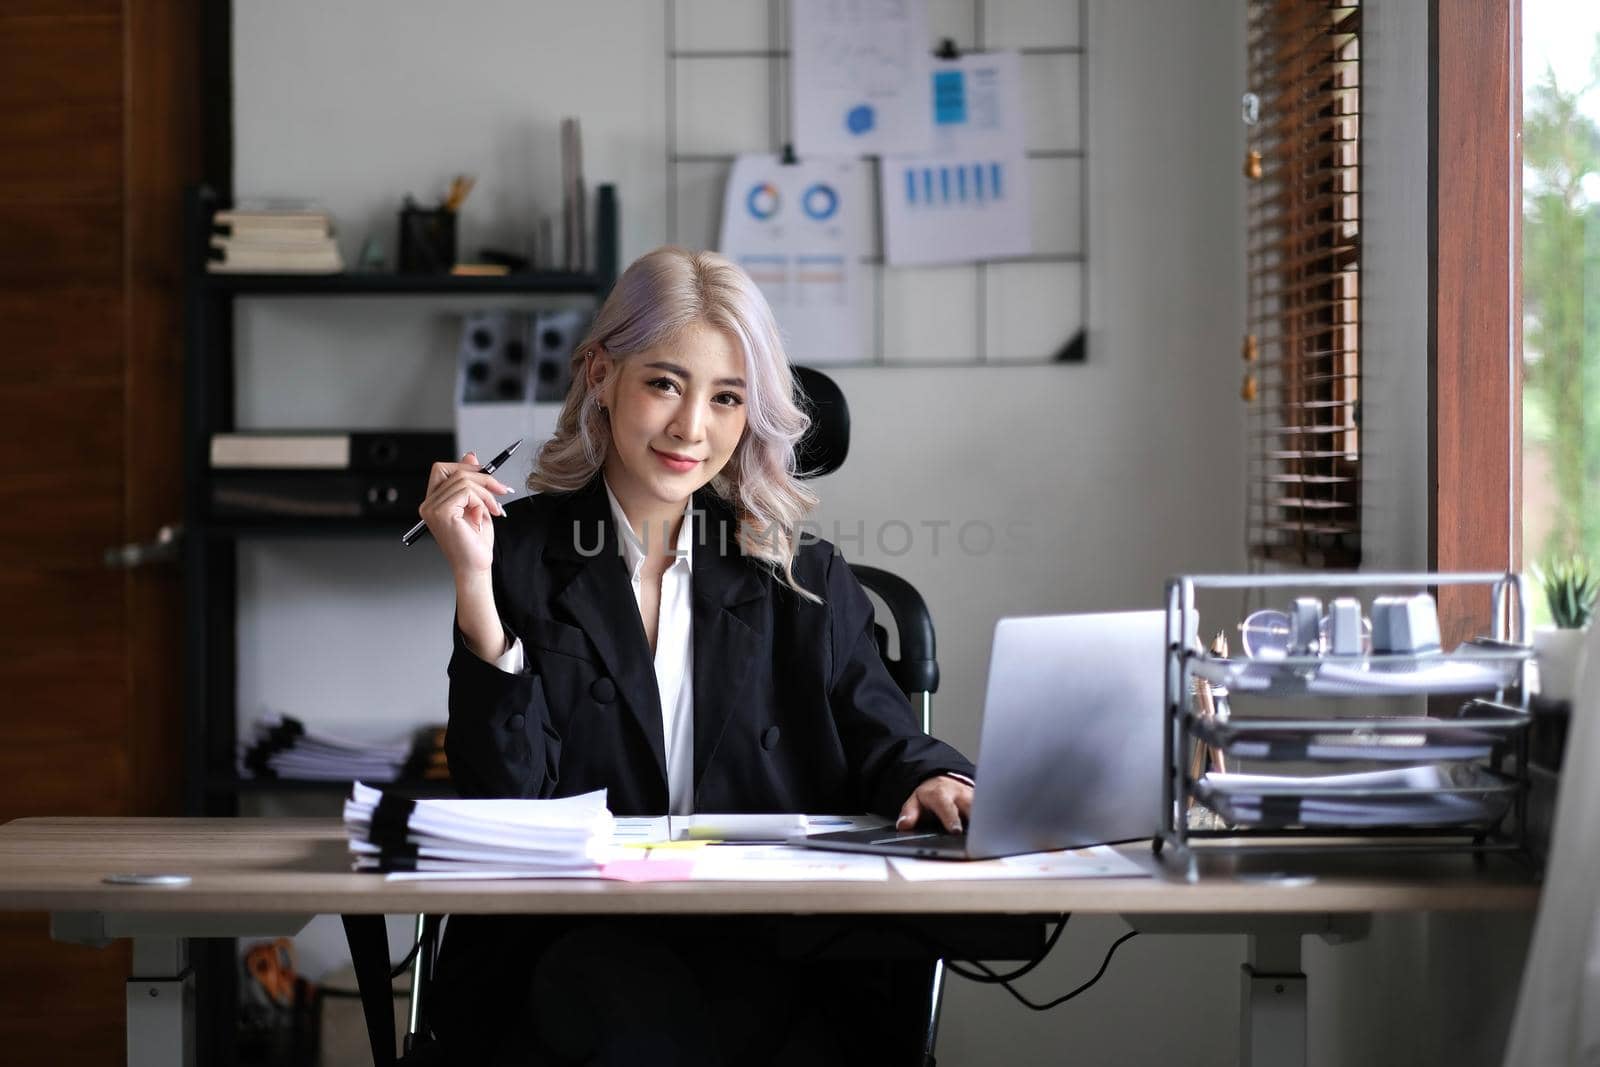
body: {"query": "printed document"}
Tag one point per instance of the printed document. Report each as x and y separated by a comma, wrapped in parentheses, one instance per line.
(969, 198)
(1100, 861)
(799, 231)
(859, 76)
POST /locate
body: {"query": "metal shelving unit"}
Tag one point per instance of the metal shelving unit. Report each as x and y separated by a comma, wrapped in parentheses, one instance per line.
(1465, 776)
(212, 785)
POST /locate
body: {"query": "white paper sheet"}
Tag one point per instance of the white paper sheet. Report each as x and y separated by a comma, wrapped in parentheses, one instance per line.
(969, 198)
(1100, 861)
(641, 829)
(741, 828)
(506, 875)
(798, 230)
(778, 863)
(859, 76)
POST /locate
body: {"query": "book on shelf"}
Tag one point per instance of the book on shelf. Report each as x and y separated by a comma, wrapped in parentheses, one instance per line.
(272, 239)
(297, 221)
(245, 255)
(291, 238)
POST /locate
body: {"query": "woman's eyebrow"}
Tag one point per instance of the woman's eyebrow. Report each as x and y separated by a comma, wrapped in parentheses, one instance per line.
(673, 368)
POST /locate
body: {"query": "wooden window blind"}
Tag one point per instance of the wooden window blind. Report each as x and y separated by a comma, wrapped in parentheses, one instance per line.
(1302, 373)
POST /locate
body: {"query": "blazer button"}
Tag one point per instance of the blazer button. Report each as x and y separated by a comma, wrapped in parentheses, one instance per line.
(603, 690)
(769, 738)
(515, 721)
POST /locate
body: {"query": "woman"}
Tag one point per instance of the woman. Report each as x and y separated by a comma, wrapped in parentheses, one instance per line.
(649, 623)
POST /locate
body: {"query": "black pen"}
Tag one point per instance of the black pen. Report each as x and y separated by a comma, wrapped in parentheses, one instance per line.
(415, 533)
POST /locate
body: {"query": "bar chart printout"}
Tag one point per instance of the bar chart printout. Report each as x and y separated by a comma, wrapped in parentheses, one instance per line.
(968, 200)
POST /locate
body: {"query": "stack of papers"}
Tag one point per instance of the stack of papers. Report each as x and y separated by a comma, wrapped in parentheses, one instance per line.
(1456, 673)
(570, 836)
(1386, 740)
(1435, 795)
(284, 748)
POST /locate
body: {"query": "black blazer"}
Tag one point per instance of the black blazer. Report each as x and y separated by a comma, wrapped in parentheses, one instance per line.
(793, 708)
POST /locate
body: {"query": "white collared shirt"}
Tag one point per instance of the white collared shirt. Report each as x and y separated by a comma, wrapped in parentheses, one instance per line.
(674, 656)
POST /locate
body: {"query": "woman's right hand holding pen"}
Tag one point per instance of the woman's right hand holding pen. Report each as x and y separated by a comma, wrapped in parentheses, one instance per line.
(460, 509)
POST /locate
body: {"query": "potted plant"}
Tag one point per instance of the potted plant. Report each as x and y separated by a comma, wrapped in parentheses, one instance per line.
(1569, 590)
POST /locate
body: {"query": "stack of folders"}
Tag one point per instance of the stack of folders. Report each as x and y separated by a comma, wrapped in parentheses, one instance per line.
(568, 836)
(284, 748)
(293, 475)
(273, 241)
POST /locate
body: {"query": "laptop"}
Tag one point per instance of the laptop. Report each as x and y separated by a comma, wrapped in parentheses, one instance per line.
(1071, 745)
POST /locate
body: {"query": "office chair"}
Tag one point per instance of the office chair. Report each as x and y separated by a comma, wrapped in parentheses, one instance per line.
(915, 670)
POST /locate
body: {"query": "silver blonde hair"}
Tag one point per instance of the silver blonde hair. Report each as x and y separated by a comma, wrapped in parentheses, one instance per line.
(659, 295)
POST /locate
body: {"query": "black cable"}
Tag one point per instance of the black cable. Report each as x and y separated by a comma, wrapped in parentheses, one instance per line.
(939, 950)
(991, 978)
(1047, 1005)
(401, 968)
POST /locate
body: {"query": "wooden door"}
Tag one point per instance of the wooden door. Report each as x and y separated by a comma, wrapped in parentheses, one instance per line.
(99, 132)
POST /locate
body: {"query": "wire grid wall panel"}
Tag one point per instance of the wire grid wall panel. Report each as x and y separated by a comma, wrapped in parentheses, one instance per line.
(727, 90)
(1303, 262)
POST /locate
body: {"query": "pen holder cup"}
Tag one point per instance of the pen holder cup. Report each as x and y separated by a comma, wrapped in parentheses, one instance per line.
(427, 240)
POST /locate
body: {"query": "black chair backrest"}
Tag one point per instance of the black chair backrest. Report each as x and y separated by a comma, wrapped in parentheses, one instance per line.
(824, 447)
(916, 671)
(823, 451)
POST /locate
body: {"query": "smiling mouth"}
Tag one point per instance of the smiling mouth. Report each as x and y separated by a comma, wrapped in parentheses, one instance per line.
(682, 464)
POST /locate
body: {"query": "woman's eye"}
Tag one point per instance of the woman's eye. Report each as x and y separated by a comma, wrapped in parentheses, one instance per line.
(731, 400)
(665, 385)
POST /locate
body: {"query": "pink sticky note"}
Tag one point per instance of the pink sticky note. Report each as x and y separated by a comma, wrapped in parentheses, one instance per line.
(648, 870)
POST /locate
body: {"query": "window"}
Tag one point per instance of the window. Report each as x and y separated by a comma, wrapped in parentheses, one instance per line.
(1561, 280)
(1303, 258)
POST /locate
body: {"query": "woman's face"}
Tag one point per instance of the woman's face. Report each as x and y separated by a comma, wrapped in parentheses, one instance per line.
(677, 414)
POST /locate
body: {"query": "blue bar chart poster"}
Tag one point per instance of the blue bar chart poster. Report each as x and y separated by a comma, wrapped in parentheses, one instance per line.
(857, 77)
(799, 230)
(969, 199)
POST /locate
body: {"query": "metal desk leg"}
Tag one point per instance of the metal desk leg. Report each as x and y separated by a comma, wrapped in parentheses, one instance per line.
(1272, 1003)
(161, 991)
(161, 1004)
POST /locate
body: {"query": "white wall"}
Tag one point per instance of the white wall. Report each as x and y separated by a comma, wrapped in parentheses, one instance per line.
(1394, 294)
(1125, 470)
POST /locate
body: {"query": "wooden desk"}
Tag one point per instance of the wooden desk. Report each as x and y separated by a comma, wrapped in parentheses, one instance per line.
(267, 877)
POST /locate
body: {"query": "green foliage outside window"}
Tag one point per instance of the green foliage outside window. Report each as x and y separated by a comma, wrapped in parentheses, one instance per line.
(1561, 309)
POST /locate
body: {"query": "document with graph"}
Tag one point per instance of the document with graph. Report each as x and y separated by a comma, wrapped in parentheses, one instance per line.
(857, 77)
(969, 199)
(799, 230)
